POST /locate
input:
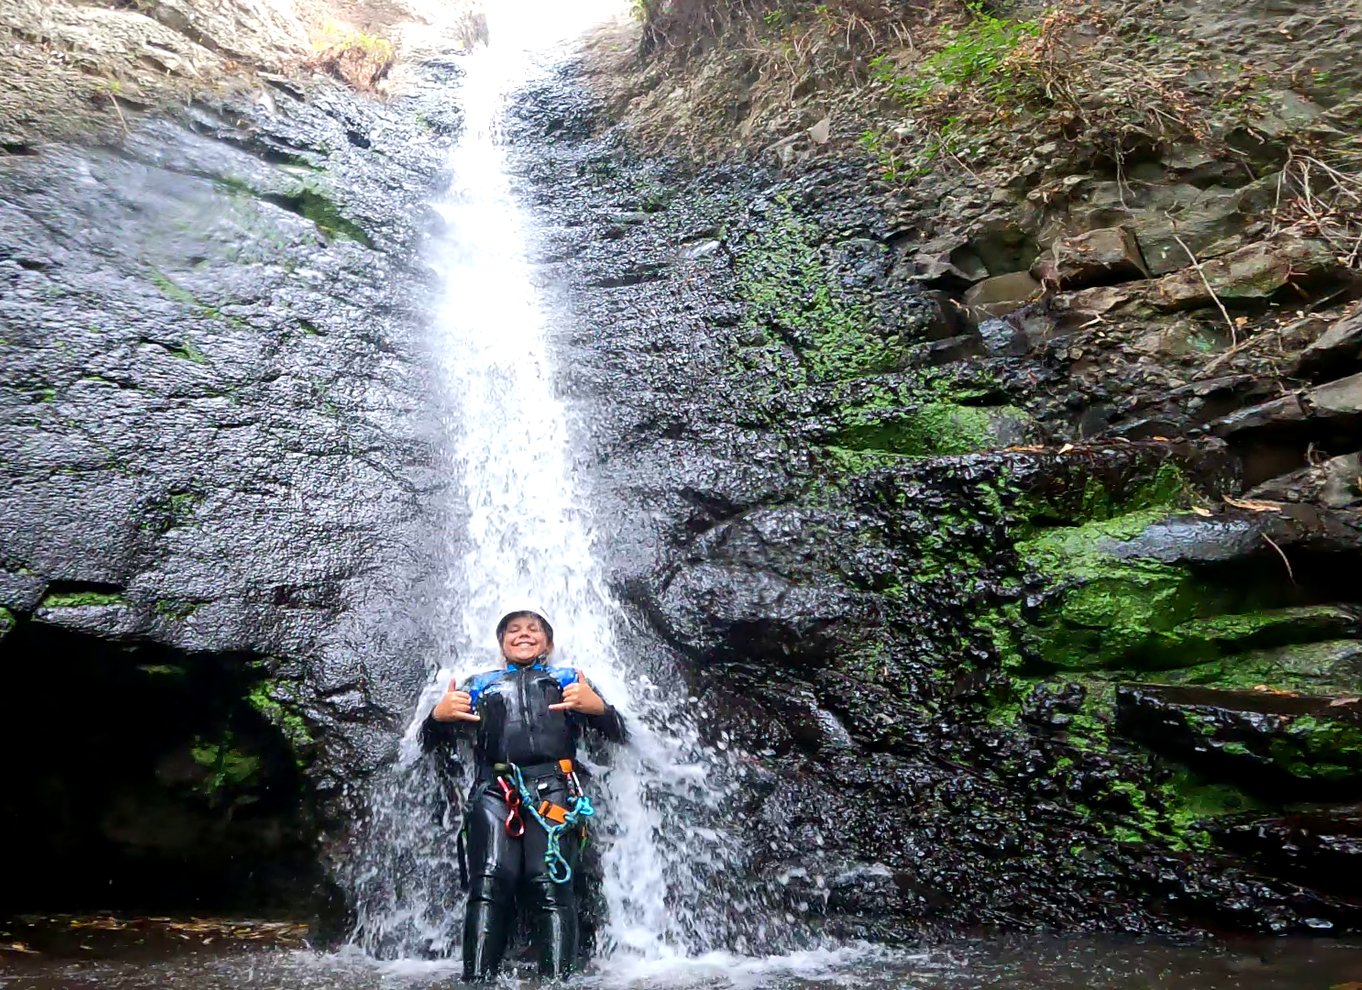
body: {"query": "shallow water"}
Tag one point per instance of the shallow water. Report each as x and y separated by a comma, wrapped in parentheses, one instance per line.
(55, 954)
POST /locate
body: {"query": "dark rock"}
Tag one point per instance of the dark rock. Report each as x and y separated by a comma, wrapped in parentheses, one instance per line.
(1238, 534)
(1338, 349)
(1319, 847)
(1336, 483)
(1327, 666)
(953, 349)
(1001, 294)
(1270, 744)
(1098, 257)
(1001, 338)
(1337, 404)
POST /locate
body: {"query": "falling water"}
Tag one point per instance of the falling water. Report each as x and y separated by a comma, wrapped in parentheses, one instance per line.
(523, 534)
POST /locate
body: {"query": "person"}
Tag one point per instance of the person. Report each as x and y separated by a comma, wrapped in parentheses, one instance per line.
(524, 814)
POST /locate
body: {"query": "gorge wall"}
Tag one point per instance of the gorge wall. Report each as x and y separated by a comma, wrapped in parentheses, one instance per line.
(990, 461)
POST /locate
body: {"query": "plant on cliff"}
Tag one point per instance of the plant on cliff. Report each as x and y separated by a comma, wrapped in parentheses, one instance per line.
(352, 56)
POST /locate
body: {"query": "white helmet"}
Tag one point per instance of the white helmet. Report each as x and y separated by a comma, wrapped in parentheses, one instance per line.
(524, 609)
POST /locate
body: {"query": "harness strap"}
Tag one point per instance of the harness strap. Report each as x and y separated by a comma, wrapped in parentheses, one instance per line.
(579, 809)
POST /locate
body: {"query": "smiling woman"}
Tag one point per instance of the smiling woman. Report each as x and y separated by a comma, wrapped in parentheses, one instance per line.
(526, 811)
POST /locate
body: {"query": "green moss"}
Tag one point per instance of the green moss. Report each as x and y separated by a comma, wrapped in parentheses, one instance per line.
(189, 351)
(1326, 667)
(1107, 612)
(163, 670)
(793, 299)
(1175, 812)
(7, 622)
(1319, 749)
(274, 700)
(935, 429)
(1093, 502)
(176, 609)
(81, 599)
(171, 291)
(230, 768)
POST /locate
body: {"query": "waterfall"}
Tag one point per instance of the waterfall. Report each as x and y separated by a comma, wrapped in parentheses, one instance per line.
(674, 885)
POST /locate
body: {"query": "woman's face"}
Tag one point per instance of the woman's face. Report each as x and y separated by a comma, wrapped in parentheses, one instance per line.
(524, 639)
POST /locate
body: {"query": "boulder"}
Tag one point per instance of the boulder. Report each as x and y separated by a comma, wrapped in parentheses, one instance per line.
(1336, 483)
(1234, 535)
(1281, 745)
(1320, 846)
(1001, 294)
(1338, 349)
(1254, 273)
(1099, 257)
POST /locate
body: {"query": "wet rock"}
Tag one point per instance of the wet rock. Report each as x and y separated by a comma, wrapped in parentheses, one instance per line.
(740, 598)
(1256, 272)
(1270, 744)
(1338, 349)
(1329, 666)
(1001, 338)
(1099, 257)
(1320, 847)
(1336, 483)
(1236, 535)
(214, 445)
(953, 349)
(1336, 405)
(1001, 294)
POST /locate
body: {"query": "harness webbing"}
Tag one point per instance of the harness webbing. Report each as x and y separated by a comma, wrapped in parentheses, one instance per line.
(579, 808)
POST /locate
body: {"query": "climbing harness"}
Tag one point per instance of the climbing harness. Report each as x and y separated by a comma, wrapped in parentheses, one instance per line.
(553, 818)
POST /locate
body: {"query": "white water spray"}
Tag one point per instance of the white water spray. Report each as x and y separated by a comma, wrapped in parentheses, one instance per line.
(525, 535)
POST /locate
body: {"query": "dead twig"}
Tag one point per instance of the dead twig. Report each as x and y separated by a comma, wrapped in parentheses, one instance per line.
(1234, 330)
(1273, 544)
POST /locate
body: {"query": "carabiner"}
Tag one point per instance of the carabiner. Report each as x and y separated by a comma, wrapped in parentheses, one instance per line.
(515, 824)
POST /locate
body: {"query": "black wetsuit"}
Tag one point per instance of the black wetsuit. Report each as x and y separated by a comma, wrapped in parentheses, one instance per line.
(517, 727)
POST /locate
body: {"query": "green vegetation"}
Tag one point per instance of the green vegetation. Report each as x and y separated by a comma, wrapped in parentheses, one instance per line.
(7, 622)
(274, 700)
(309, 197)
(1319, 749)
(230, 769)
(81, 599)
(808, 331)
(176, 609)
(975, 56)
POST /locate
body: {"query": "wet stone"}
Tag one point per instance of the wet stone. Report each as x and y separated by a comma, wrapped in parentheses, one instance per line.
(1317, 846)
(1099, 257)
(1338, 349)
(1270, 743)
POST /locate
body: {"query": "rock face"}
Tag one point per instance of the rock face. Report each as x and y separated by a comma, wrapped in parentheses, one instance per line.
(215, 485)
(918, 624)
(1038, 620)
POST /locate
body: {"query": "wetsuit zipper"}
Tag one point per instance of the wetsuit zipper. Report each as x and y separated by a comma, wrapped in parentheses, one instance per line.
(525, 712)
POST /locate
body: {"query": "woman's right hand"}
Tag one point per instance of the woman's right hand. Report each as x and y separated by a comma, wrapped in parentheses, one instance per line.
(455, 706)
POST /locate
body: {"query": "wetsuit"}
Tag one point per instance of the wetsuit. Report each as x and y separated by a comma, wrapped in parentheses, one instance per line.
(517, 727)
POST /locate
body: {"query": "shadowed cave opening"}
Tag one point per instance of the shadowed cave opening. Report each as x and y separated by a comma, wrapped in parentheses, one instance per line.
(145, 778)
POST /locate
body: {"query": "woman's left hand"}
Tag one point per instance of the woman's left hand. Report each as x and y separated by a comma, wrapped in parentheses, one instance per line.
(579, 697)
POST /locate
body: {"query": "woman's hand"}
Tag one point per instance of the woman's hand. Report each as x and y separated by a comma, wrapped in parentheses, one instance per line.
(579, 697)
(455, 706)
